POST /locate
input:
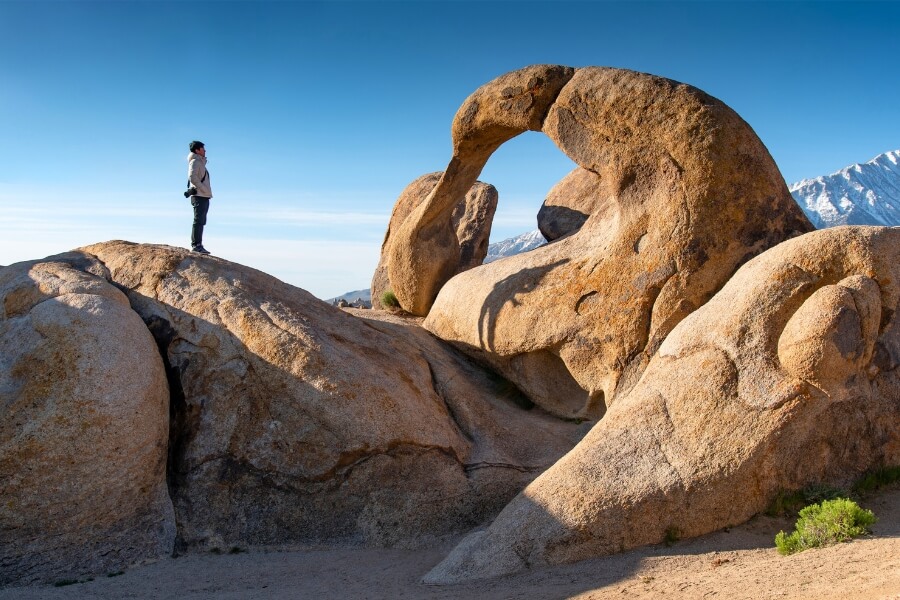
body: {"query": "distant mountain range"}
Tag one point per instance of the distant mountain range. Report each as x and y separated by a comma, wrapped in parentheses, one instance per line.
(515, 245)
(353, 297)
(861, 194)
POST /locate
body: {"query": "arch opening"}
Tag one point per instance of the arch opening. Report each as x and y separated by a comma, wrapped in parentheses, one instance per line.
(524, 170)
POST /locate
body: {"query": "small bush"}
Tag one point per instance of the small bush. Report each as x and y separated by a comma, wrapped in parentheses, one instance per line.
(389, 300)
(830, 522)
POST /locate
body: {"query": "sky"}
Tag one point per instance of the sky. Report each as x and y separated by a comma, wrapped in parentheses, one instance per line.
(316, 115)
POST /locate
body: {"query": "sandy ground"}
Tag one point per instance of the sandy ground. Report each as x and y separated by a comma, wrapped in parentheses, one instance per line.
(738, 564)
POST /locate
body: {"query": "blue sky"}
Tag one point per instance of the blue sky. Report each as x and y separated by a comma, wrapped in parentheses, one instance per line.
(317, 114)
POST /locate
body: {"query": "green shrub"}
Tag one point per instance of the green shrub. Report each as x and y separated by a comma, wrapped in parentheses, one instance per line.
(824, 524)
(389, 300)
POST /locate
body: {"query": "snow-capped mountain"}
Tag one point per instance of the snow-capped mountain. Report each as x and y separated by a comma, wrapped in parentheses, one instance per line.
(515, 245)
(861, 194)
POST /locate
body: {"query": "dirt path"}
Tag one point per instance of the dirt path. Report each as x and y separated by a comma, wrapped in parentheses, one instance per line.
(739, 564)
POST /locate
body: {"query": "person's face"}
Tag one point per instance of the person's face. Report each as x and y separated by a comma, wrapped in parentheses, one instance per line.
(201, 151)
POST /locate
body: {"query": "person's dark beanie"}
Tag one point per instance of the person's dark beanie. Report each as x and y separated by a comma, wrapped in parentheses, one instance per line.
(195, 145)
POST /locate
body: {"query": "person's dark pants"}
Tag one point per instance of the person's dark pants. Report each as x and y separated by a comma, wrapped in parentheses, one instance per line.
(201, 207)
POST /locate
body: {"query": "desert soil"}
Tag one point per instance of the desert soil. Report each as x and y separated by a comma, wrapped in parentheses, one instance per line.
(741, 563)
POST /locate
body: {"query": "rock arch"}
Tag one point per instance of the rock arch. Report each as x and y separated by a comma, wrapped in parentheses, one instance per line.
(683, 190)
(423, 255)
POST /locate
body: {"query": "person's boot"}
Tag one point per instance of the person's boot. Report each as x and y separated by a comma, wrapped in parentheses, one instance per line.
(200, 249)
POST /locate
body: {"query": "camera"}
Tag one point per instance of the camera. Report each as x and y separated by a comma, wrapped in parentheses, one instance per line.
(191, 191)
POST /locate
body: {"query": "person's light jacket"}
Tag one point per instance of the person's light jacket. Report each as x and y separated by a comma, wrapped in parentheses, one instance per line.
(198, 175)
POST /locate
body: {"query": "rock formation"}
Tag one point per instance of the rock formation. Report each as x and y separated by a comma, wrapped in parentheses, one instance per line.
(291, 420)
(294, 421)
(153, 398)
(568, 205)
(788, 376)
(680, 193)
(470, 219)
(84, 412)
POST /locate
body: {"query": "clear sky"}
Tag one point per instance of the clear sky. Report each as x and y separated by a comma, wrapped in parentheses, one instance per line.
(316, 115)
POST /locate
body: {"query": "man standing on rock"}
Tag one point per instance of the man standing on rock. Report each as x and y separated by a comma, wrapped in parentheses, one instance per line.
(200, 192)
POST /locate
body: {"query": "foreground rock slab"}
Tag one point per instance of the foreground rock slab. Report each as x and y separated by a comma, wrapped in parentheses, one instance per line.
(84, 411)
(787, 377)
(294, 421)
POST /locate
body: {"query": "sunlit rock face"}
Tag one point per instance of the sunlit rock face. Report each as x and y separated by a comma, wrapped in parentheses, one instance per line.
(568, 205)
(84, 411)
(674, 192)
(294, 421)
(470, 220)
(156, 400)
(787, 377)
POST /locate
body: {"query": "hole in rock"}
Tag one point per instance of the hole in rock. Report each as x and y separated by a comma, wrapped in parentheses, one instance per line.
(524, 170)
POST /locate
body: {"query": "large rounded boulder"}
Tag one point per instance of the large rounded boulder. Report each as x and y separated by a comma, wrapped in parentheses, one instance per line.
(787, 377)
(470, 220)
(84, 413)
